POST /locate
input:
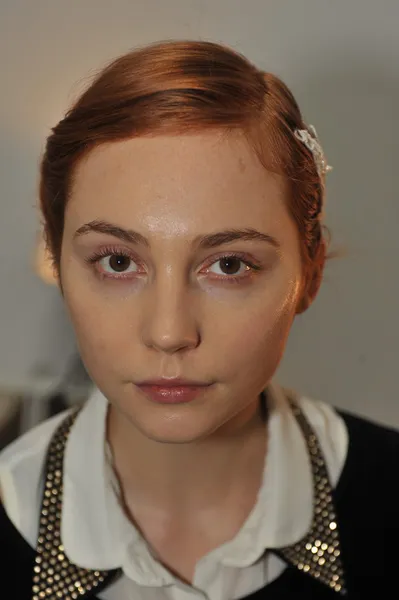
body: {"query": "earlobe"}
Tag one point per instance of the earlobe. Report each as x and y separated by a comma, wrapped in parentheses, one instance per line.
(303, 304)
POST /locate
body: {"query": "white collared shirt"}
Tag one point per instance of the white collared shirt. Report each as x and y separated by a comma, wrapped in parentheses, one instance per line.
(97, 534)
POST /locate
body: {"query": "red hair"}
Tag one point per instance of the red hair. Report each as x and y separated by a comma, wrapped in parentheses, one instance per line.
(180, 87)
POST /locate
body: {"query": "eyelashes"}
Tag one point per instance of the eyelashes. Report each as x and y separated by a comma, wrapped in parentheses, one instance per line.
(114, 264)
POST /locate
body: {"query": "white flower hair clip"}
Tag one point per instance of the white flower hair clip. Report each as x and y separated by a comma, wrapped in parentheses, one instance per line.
(311, 140)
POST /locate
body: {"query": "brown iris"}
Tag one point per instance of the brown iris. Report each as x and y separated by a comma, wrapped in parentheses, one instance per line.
(230, 264)
(119, 263)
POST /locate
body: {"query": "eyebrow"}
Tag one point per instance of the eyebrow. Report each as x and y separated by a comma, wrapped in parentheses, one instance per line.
(202, 242)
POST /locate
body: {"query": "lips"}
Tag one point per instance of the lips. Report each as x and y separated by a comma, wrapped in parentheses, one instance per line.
(172, 393)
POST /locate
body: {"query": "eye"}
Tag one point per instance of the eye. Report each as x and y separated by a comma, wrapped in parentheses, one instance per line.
(234, 268)
(117, 263)
(230, 265)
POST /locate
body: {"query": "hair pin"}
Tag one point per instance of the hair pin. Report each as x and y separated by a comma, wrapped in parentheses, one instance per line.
(311, 140)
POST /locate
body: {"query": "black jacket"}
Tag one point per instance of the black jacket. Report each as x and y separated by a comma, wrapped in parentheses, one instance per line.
(367, 505)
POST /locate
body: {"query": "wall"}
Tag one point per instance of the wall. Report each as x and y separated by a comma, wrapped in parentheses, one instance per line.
(341, 61)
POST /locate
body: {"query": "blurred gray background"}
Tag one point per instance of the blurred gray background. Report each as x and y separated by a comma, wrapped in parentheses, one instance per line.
(341, 60)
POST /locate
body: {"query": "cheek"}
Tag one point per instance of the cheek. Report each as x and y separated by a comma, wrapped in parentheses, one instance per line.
(256, 338)
(99, 325)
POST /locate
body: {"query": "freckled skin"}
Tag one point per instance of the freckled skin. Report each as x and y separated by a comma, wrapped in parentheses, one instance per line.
(175, 318)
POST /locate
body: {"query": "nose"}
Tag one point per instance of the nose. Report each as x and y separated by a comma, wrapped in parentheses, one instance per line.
(169, 322)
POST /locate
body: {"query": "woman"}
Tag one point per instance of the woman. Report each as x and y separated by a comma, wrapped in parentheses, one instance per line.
(182, 198)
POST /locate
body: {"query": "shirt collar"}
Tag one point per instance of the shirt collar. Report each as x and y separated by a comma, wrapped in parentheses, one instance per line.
(88, 505)
(108, 540)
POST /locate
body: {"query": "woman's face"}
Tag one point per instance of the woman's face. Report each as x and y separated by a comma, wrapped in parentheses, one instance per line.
(171, 306)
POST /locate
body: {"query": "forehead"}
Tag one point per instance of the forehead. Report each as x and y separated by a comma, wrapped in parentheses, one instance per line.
(188, 182)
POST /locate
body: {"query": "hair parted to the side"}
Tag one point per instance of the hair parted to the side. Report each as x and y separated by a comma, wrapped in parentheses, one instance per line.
(181, 87)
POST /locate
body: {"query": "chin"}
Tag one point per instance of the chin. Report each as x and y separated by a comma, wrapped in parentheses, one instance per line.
(175, 428)
(178, 424)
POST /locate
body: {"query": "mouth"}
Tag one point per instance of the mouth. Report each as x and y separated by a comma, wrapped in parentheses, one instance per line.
(172, 392)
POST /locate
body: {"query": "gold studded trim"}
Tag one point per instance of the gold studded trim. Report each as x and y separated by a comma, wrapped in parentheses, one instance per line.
(55, 577)
(318, 553)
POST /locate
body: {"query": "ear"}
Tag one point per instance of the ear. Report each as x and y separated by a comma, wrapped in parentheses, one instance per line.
(312, 283)
(44, 264)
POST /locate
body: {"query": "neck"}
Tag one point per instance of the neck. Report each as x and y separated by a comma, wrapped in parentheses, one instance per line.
(198, 475)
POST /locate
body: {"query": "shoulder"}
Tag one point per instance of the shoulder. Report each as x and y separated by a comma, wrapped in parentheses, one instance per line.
(21, 464)
(366, 499)
(356, 448)
(366, 492)
(362, 428)
(359, 436)
(373, 452)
